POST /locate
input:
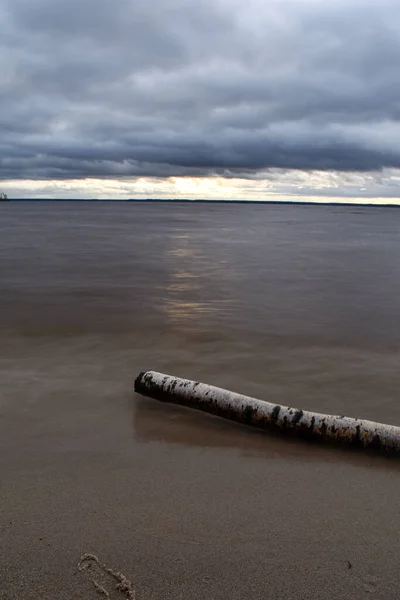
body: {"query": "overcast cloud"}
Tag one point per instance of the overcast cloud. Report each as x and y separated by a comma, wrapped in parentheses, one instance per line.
(93, 89)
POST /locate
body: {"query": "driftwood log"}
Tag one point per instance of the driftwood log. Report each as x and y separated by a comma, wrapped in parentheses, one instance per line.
(269, 416)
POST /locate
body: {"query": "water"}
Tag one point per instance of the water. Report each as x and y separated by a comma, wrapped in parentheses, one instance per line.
(298, 305)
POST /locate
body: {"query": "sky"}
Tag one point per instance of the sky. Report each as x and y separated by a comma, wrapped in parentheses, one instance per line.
(219, 99)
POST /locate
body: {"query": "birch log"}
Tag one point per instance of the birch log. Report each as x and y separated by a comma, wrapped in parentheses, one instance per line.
(269, 416)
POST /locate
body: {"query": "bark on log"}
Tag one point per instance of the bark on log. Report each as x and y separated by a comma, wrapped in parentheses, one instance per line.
(265, 415)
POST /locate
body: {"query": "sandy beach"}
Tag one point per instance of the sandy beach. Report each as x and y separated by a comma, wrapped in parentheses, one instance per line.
(183, 504)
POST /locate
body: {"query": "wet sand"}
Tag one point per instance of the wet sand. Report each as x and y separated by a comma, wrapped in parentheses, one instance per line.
(184, 504)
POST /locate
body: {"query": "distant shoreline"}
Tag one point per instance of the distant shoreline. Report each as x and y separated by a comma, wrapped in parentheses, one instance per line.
(202, 201)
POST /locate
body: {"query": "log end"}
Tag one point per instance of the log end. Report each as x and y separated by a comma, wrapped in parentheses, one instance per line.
(140, 383)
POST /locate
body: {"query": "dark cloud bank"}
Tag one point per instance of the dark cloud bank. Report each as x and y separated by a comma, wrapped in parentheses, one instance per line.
(93, 88)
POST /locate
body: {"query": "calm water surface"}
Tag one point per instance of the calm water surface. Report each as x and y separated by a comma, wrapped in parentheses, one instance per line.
(296, 304)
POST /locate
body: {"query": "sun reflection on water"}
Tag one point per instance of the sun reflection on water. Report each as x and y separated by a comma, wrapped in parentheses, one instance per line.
(193, 290)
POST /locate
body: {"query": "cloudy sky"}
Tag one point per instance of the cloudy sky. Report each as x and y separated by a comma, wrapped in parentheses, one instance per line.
(277, 99)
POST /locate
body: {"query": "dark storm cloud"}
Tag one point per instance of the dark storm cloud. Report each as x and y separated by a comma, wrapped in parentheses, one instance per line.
(90, 88)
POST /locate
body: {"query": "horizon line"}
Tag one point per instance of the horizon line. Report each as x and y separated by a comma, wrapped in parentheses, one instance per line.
(210, 201)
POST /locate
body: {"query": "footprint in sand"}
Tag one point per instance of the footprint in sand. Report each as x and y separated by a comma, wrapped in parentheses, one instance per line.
(107, 582)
